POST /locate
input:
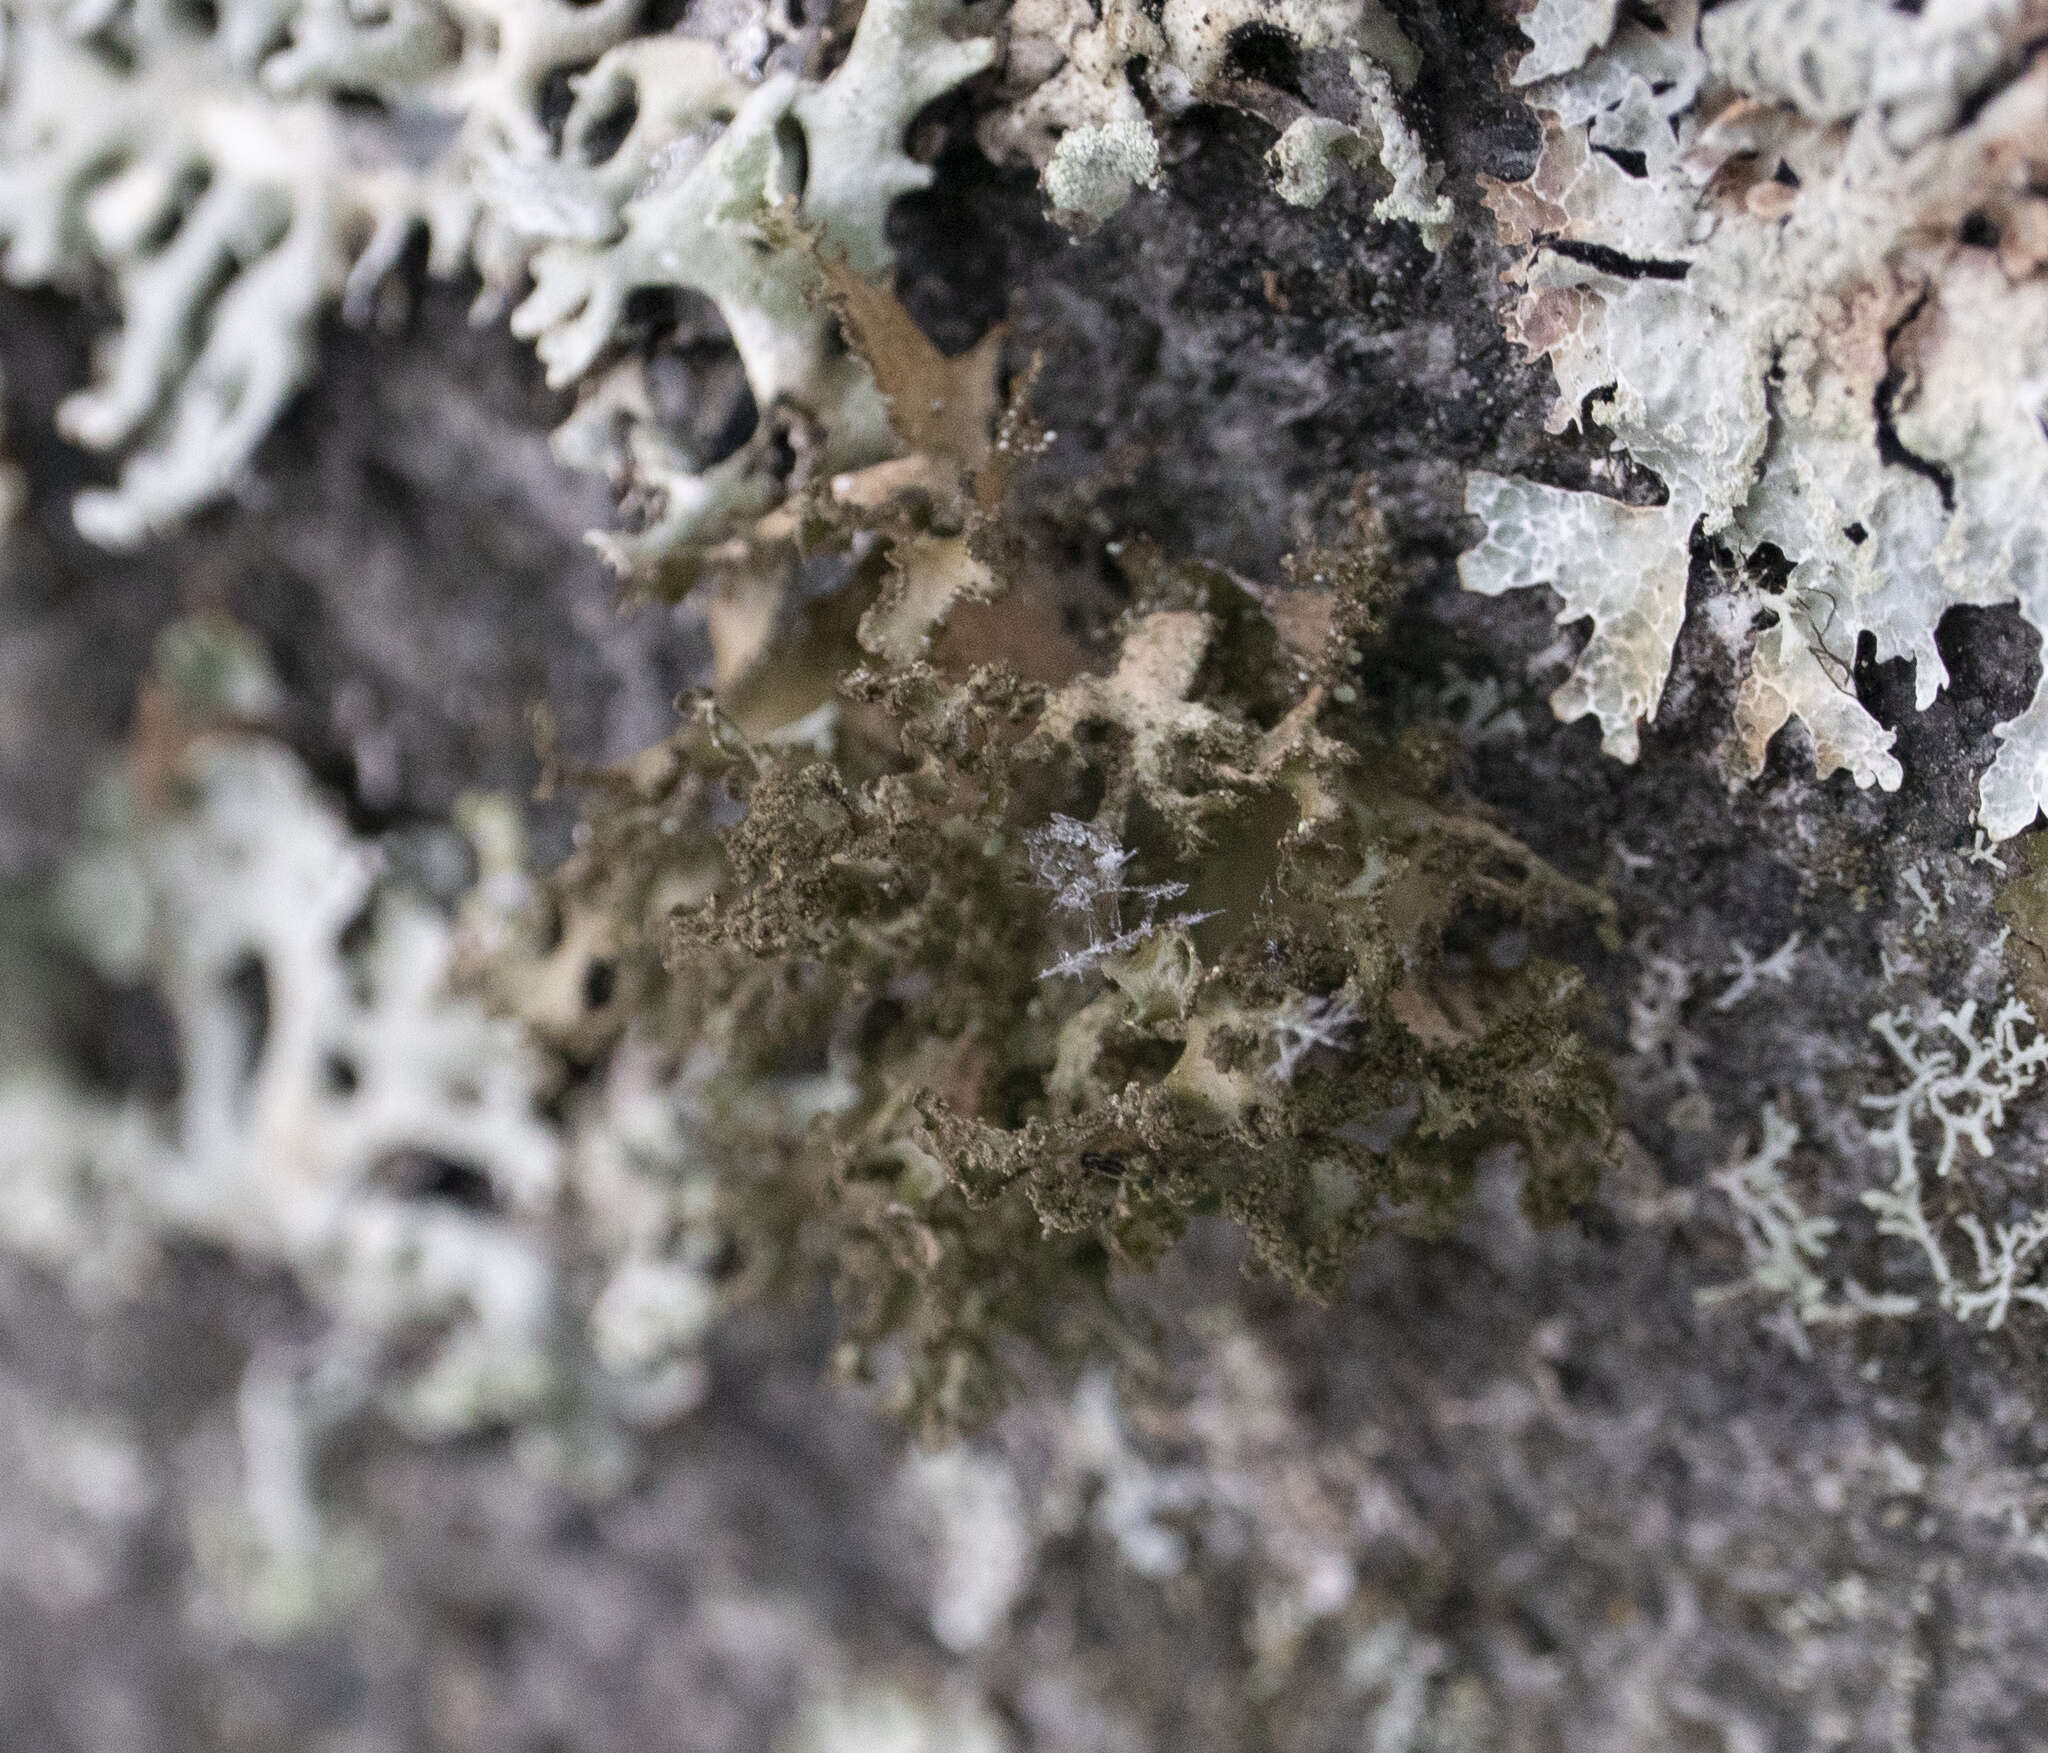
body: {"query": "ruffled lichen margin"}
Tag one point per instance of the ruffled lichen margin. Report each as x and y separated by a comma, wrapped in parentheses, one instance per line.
(1789, 257)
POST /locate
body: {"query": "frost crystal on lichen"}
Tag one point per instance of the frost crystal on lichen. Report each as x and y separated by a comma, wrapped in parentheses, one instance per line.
(1790, 258)
(195, 160)
(1304, 1025)
(1083, 868)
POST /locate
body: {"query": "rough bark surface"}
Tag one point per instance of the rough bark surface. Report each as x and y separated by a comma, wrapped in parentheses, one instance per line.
(1600, 1514)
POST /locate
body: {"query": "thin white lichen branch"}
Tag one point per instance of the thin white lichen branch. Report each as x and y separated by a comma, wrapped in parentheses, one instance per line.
(1966, 1093)
(1966, 1096)
(1930, 909)
(1746, 972)
(2001, 1257)
(1980, 852)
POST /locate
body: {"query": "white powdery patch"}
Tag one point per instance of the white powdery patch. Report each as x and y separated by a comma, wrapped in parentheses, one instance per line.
(983, 1549)
(1790, 257)
(873, 1714)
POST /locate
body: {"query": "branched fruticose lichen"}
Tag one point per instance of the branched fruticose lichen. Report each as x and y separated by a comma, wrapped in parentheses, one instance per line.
(962, 986)
(1961, 1077)
(1790, 257)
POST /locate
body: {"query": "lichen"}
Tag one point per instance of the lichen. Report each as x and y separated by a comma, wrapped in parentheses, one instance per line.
(346, 1112)
(205, 165)
(1788, 258)
(1962, 1078)
(994, 984)
(195, 160)
(752, 178)
(1325, 74)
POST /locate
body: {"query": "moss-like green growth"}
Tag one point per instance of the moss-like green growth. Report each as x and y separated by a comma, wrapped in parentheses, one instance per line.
(989, 984)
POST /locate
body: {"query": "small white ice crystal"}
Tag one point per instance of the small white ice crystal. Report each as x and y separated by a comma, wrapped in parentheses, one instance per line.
(1302, 1025)
(1083, 868)
(1791, 258)
(1082, 864)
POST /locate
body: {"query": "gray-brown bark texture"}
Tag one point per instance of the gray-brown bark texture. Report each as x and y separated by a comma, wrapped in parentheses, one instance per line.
(1513, 1485)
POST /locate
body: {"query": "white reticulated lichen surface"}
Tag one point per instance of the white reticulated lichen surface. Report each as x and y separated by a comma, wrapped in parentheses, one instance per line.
(1790, 257)
(195, 162)
(1077, 115)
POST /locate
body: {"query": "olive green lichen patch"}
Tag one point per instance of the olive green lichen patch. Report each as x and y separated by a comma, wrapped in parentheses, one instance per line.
(992, 984)
(2023, 904)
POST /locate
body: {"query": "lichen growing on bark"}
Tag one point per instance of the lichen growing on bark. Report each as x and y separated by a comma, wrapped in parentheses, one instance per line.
(988, 981)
